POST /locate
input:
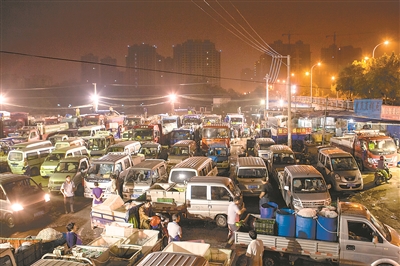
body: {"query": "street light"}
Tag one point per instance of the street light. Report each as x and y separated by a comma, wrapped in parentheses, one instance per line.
(373, 51)
(317, 64)
(172, 98)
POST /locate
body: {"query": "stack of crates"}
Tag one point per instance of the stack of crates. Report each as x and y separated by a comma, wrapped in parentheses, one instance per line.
(265, 226)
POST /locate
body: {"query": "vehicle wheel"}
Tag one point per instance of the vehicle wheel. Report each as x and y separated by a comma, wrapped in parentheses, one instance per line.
(35, 171)
(221, 221)
(269, 259)
(389, 177)
(10, 221)
(79, 190)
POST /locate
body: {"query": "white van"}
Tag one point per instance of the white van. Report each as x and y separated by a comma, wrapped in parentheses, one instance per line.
(302, 186)
(142, 176)
(249, 173)
(89, 131)
(33, 156)
(339, 169)
(193, 166)
(181, 150)
(127, 147)
(262, 147)
(52, 160)
(103, 168)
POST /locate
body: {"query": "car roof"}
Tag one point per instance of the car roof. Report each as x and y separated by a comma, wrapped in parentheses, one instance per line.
(10, 177)
(303, 171)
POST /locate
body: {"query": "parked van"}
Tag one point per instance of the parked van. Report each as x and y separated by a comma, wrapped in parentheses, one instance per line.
(31, 144)
(76, 167)
(98, 145)
(21, 200)
(262, 146)
(102, 169)
(279, 156)
(52, 160)
(89, 131)
(249, 172)
(181, 150)
(193, 166)
(339, 169)
(150, 150)
(69, 142)
(33, 156)
(128, 147)
(142, 176)
(302, 186)
(57, 137)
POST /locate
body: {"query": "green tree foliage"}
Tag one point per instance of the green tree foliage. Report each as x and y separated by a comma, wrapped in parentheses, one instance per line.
(375, 78)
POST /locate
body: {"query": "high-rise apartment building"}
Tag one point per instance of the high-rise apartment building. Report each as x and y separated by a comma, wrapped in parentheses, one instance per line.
(198, 61)
(109, 72)
(90, 71)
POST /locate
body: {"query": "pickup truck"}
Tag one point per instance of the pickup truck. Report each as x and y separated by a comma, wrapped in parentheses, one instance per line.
(361, 240)
(204, 197)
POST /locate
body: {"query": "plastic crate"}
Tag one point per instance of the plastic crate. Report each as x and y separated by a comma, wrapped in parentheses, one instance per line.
(265, 226)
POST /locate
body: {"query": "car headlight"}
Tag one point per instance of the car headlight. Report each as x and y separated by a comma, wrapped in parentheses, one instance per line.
(17, 207)
(327, 202)
(297, 203)
(337, 176)
(46, 197)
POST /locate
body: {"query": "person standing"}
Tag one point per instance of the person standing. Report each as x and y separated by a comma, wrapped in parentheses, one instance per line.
(145, 213)
(97, 194)
(68, 189)
(255, 250)
(27, 169)
(233, 217)
(266, 191)
(72, 235)
(174, 229)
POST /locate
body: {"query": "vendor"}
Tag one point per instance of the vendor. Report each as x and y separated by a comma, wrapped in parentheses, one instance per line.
(145, 213)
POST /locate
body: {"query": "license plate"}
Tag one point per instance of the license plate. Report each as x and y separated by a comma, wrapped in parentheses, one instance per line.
(135, 196)
(38, 214)
(252, 187)
(351, 185)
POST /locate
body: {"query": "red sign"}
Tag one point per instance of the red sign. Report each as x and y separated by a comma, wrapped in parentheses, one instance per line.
(297, 130)
(390, 112)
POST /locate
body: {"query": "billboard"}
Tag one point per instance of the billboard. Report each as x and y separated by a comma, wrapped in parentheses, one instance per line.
(368, 107)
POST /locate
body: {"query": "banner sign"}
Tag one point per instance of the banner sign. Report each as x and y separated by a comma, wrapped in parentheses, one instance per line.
(390, 112)
(368, 107)
(297, 130)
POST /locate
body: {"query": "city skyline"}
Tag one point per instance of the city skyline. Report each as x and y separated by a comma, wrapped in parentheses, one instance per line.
(69, 30)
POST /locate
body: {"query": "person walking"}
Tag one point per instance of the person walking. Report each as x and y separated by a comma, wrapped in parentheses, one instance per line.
(68, 189)
(97, 194)
(233, 216)
(72, 235)
(255, 250)
(174, 229)
(266, 191)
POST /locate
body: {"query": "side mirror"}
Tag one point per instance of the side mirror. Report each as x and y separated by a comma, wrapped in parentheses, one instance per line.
(286, 188)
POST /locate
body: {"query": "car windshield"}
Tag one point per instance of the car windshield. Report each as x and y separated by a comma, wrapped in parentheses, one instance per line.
(15, 156)
(252, 173)
(22, 187)
(265, 146)
(97, 144)
(344, 163)
(181, 176)
(67, 167)
(180, 151)
(55, 157)
(283, 158)
(309, 185)
(213, 133)
(138, 175)
(381, 227)
(84, 133)
(382, 147)
(142, 134)
(102, 169)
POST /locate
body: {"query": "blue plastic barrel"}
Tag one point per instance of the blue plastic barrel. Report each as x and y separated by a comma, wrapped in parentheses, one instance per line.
(326, 229)
(267, 210)
(306, 227)
(286, 222)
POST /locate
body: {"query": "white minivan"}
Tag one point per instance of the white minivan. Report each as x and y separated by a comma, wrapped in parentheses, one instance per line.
(302, 186)
(249, 173)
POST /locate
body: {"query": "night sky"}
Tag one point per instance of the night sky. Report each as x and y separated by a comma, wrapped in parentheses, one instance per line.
(70, 29)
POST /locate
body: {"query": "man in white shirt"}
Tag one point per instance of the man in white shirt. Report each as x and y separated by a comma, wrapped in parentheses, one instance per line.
(255, 250)
(68, 190)
(233, 218)
(174, 230)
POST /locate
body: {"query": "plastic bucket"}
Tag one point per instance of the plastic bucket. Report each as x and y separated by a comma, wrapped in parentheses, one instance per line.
(306, 227)
(267, 210)
(286, 222)
(326, 229)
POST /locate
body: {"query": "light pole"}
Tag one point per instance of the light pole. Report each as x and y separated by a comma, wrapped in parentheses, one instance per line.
(172, 98)
(373, 51)
(317, 64)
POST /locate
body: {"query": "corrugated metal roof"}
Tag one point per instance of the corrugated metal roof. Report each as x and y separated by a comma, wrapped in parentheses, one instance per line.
(168, 258)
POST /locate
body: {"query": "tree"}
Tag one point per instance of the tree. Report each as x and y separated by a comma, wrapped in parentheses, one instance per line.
(373, 78)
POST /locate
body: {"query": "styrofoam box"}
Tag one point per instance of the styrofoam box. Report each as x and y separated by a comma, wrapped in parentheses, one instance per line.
(199, 249)
(119, 230)
(113, 202)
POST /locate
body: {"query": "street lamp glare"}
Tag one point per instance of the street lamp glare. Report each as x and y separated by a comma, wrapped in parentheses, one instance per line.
(311, 94)
(373, 51)
(172, 97)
